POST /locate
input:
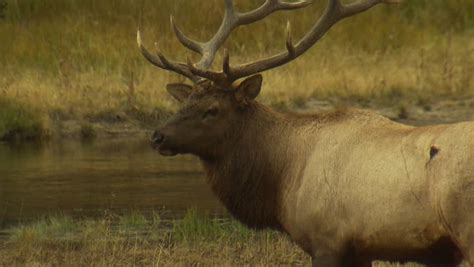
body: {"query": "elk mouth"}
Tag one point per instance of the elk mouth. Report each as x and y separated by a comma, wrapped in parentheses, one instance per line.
(167, 152)
(163, 149)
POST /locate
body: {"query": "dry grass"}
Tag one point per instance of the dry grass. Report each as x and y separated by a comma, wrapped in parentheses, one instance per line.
(77, 59)
(137, 240)
(134, 239)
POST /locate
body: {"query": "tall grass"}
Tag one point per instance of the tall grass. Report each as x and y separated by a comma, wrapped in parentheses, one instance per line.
(77, 59)
(63, 37)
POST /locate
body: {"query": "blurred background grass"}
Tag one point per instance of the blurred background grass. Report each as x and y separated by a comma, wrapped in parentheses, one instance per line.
(77, 59)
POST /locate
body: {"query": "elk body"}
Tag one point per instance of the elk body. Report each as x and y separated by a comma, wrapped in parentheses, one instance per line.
(348, 186)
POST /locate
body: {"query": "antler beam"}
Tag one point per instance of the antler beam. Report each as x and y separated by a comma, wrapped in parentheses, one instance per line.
(335, 11)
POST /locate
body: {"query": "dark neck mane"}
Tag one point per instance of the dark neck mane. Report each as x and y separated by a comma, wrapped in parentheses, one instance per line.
(258, 163)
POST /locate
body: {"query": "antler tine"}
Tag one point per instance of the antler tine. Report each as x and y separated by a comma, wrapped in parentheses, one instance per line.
(289, 41)
(161, 61)
(226, 63)
(334, 12)
(186, 41)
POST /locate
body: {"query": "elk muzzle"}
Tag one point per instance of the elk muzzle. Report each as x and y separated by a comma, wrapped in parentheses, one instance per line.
(158, 143)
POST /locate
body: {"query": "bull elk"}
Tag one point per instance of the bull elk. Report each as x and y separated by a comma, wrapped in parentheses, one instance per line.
(348, 186)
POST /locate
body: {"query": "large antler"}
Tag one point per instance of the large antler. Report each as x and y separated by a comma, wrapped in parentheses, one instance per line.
(208, 50)
(335, 11)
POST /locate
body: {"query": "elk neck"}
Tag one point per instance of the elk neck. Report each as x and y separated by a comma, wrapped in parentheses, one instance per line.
(259, 162)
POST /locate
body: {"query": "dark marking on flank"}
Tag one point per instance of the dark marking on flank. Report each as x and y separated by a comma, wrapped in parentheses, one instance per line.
(434, 151)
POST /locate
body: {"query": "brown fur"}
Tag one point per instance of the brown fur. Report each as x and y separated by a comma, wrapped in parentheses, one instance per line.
(251, 176)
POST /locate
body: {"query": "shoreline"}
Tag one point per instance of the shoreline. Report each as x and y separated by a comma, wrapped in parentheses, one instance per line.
(449, 110)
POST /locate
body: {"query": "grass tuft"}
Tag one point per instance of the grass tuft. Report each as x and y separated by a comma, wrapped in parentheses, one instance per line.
(19, 123)
(196, 226)
(48, 229)
(133, 221)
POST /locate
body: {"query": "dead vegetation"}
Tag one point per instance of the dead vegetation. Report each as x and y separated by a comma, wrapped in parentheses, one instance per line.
(77, 60)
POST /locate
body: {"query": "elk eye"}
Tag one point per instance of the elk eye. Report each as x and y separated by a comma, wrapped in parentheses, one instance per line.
(211, 112)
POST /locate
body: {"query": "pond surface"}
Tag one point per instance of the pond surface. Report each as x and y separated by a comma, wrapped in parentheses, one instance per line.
(83, 179)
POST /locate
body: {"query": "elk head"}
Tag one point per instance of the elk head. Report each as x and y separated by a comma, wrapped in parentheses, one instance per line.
(216, 106)
(209, 118)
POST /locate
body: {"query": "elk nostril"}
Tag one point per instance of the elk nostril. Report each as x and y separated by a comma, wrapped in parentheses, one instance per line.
(157, 138)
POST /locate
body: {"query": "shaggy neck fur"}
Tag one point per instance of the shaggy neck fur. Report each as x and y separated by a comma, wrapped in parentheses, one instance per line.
(256, 164)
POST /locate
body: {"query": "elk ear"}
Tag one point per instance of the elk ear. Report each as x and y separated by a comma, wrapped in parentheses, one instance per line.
(180, 91)
(249, 88)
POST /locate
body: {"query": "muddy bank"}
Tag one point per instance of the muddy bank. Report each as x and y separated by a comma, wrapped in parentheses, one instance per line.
(419, 113)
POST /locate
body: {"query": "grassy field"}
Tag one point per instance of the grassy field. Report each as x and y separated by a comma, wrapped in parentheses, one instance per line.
(77, 59)
(137, 240)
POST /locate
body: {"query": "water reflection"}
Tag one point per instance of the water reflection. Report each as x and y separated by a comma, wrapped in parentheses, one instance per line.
(85, 178)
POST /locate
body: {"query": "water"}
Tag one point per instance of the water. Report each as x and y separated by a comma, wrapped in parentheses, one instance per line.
(81, 179)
